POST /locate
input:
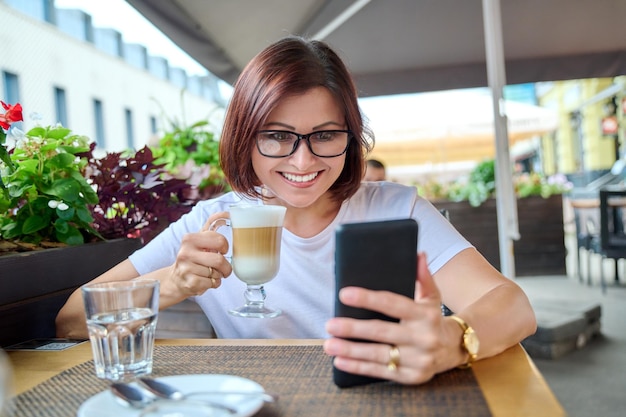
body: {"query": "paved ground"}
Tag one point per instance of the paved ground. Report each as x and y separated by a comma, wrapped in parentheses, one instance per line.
(589, 381)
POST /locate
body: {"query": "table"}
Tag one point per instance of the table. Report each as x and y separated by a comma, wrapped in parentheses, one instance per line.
(593, 203)
(509, 382)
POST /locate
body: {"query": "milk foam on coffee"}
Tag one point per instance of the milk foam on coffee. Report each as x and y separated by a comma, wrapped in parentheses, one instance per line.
(257, 232)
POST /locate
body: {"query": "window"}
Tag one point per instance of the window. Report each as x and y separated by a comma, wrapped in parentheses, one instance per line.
(98, 113)
(130, 139)
(11, 88)
(153, 125)
(60, 106)
(12, 93)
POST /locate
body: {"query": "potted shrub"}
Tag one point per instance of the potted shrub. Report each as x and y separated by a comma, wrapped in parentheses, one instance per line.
(192, 152)
(67, 216)
(472, 207)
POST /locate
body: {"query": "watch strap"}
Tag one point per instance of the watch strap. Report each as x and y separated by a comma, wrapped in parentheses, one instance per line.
(471, 357)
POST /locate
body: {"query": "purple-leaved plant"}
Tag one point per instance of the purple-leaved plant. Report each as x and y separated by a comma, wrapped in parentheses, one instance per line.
(137, 198)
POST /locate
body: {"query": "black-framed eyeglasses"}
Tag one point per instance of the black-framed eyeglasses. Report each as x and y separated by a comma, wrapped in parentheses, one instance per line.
(323, 143)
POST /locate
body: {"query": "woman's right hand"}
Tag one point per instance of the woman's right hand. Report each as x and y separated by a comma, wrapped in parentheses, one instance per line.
(200, 263)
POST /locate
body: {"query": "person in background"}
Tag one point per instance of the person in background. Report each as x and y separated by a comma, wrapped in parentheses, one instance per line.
(294, 136)
(375, 171)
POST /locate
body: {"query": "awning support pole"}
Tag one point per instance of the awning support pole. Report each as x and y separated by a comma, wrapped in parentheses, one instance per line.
(505, 196)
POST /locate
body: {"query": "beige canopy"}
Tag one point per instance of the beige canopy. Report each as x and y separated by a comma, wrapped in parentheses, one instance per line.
(450, 126)
(401, 46)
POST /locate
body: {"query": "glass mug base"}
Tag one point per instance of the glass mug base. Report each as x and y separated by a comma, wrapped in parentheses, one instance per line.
(254, 311)
(256, 239)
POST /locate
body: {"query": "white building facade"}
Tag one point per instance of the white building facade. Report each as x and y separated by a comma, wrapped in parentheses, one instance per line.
(57, 65)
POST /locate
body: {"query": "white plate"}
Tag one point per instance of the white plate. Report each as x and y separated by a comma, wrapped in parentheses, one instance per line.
(105, 403)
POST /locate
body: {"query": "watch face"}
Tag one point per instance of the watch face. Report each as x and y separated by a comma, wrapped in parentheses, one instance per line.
(470, 340)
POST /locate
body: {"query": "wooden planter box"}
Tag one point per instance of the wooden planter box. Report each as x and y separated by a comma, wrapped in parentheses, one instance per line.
(541, 248)
(35, 285)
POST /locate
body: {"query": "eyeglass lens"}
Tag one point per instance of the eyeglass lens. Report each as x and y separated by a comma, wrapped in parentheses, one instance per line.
(325, 143)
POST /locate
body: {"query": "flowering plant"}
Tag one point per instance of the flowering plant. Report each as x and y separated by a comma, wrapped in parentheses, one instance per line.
(528, 184)
(481, 185)
(54, 191)
(45, 196)
(12, 114)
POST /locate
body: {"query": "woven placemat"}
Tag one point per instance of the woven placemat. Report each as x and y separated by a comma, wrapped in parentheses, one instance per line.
(301, 375)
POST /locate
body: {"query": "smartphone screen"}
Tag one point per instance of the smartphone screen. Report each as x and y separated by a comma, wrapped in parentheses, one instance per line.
(378, 255)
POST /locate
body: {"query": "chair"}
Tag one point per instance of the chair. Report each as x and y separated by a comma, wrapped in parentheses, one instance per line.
(612, 236)
(592, 245)
(586, 238)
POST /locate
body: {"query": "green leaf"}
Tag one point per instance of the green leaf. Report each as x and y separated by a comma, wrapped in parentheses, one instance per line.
(200, 123)
(30, 165)
(66, 189)
(66, 214)
(4, 157)
(71, 237)
(74, 149)
(33, 224)
(49, 146)
(37, 131)
(61, 226)
(11, 233)
(84, 215)
(62, 160)
(90, 196)
(58, 132)
(9, 228)
(17, 189)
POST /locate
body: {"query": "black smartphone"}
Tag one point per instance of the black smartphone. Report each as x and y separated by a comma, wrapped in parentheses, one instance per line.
(379, 255)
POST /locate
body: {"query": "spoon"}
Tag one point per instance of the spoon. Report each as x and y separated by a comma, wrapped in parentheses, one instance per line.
(164, 390)
(137, 398)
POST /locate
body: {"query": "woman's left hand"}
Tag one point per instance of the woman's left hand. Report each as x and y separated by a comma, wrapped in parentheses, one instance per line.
(420, 335)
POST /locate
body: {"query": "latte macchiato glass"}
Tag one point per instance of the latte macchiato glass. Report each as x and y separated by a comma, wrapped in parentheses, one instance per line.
(257, 232)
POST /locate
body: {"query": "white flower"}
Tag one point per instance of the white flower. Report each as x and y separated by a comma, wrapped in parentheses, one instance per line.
(53, 204)
(16, 134)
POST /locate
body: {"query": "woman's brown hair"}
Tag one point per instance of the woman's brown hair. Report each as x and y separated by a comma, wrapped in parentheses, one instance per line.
(291, 66)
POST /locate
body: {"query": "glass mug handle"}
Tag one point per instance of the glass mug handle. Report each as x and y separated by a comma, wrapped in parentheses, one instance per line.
(216, 224)
(254, 294)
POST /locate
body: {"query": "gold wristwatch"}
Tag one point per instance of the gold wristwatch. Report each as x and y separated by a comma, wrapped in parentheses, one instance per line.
(469, 342)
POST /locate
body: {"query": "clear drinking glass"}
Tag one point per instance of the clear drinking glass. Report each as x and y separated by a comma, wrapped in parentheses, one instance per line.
(122, 318)
(257, 232)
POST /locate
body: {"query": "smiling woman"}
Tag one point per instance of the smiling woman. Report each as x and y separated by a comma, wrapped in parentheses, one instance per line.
(302, 91)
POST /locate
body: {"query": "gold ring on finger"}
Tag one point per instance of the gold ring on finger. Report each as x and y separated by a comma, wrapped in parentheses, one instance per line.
(210, 271)
(213, 282)
(394, 358)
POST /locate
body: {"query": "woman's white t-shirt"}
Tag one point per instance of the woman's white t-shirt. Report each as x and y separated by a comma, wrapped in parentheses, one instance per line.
(304, 286)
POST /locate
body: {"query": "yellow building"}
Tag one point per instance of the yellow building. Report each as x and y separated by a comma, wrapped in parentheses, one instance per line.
(580, 147)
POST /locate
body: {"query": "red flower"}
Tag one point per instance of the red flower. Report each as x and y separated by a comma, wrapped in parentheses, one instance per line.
(13, 114)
